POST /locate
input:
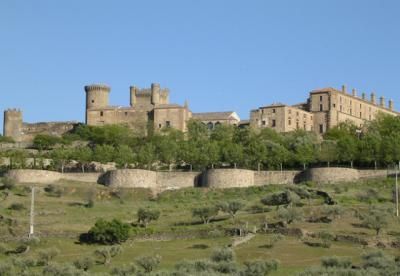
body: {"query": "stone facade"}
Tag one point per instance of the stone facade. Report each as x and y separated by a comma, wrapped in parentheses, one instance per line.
(15, 128)
(146, 106)
(324, 109)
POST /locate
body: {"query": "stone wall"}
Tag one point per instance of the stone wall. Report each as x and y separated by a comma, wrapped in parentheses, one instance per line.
(275, 177)
(365, 174)
(92, 177)
(331, 175)
(128, 178)
(228, 178)
(177, 180)
(34, 176)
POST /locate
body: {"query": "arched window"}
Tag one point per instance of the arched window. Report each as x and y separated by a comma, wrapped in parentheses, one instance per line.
(217, 124)
(210, 125)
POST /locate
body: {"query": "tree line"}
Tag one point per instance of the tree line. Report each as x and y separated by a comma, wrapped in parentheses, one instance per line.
(377, 143)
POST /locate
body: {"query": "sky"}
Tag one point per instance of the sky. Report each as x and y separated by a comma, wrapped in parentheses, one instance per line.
(220, 55)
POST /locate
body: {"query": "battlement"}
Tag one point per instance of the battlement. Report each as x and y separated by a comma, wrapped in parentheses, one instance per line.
(97, 87)
(11, 111)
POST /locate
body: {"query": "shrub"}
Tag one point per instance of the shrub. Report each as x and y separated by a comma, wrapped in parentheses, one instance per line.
(259, 267)
(8, 183)
(149, 263)
(46, 255)
(90, 197)
(67, 269)
(282, 198)
(335, 262)
(125, 270)
(231, 207)
(375, 219)
(145, 216)
(107, 232)
(290, 215)
(107, 253)
(17, 207)
(84, 264)
(223, 255)
(53, 190)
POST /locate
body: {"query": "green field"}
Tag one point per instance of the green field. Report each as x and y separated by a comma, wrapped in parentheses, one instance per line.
(177, 236)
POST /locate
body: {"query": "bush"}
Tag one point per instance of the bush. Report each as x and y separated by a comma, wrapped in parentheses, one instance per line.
(335, 262)
(125, 270)
(283, 198)
(107, 253)
(84, 264)
(259, 267)
(53, 190)
(290, 215)
(46, 255)
(62, 270)
(149, 263)
(17, 207)
(8, 183)
(223, 255)
(145, 216)
(231, 207)
(107, 232)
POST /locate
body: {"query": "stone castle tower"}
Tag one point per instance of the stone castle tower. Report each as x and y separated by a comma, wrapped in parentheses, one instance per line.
(97, 97)
(13, 124)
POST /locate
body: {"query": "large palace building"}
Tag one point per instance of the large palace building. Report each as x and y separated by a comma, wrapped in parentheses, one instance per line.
(324, 109)
(150, 107)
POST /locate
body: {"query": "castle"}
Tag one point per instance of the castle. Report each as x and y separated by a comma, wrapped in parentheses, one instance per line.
(150, 107)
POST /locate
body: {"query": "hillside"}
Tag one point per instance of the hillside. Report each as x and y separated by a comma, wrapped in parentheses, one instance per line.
(69, 209)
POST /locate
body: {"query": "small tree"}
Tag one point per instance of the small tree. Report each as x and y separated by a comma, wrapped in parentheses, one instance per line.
(290, 215)
(46, 255)
(149, 263)
(108, 232)
(145, 216)
(205, 213)
(223, 255)
(107, 253)
(375, 219)
(231, 207)
(84, 264)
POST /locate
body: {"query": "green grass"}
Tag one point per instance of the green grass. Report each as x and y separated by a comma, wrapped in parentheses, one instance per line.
(60, 220)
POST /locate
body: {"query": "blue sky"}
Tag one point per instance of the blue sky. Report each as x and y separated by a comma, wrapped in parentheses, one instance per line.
(217, 54)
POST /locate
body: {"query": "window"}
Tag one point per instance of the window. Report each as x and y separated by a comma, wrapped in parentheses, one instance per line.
(101, 113)
(264, 123)
(351, 111)
(92, 101)
(159, 125)
(304, 126)
(290, 122)
(297, 125)
(297, 113)
(273, 110)
(334, 105)
(210, 125)
(321, 128)
(290, 111)
(321, 108)
(168, 124)
(320, 98)
(304, 116)
(360, 114)
(273, 123)
(126, 113)
(341, 108)
(262, 111)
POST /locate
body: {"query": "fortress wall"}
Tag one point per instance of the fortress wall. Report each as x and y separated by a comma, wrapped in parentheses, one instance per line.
(82, 177)
(275, 177)
(332, 175)
(177, 180)
(34, 176)
(228, 178)
(366, 174)
(128, 178)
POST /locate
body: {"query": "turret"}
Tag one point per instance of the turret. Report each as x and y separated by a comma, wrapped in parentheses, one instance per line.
(133, 93)
(13, 124)
(155, 93)
(373, 98)
(363, 96)
(97, 96)
(344, 90)
(382, 101)
(391, 105)
(354, 92)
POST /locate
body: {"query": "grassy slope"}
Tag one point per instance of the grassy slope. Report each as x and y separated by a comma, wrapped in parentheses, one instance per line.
(59, 221)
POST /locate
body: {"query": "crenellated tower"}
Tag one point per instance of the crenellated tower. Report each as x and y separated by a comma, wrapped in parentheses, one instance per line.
(97, 97)
(13, 124)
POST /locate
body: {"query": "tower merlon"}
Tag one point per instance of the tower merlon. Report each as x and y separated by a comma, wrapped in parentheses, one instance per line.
(97, 87)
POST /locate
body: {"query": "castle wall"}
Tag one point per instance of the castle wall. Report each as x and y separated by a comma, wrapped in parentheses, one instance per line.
(33, 176)
(332, 175)
(128, 178)
(50, 128)
(173, 116)
(228, 178)
(275, 177)
(177, 180)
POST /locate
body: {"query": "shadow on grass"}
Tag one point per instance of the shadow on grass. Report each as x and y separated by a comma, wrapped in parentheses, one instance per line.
(199, 246)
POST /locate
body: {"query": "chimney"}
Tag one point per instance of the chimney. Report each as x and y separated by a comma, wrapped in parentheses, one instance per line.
(382, 101)
(373, 98)
(391, 104)
(354, 92)
(344, 88)
(363, 96)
